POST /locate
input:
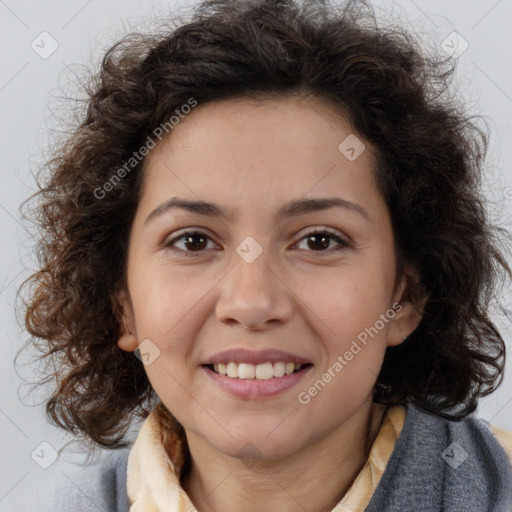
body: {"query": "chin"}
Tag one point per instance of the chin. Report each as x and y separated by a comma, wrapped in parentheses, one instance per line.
(257, 445)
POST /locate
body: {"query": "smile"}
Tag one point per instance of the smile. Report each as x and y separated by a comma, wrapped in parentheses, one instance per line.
(263, 371)
(257, 382)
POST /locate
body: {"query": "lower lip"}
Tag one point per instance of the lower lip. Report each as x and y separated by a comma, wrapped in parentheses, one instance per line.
(254, 389)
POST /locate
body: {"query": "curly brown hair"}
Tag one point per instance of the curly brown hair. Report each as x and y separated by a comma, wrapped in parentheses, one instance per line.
(430, 155)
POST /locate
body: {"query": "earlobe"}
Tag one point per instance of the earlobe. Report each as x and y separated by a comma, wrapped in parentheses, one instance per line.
(403, 324)
(128, 339)
(409, 315)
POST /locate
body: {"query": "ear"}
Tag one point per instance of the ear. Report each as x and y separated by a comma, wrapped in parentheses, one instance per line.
(408, 306)
(128, 339)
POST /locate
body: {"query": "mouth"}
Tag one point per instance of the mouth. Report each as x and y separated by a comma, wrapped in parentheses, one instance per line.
(263, 371)
(261, 381)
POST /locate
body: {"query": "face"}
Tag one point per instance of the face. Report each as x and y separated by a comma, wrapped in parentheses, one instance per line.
(267, 276)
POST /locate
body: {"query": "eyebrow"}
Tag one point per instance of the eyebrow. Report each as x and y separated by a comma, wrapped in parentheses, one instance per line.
(292, 209)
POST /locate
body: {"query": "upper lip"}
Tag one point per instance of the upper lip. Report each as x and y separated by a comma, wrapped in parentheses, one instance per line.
(241, 355)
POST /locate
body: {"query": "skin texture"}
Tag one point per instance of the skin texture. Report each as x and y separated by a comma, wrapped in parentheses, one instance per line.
(251, 157)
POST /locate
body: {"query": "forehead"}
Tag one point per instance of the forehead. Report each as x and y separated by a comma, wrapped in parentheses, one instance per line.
(255, 151)
(248, 125)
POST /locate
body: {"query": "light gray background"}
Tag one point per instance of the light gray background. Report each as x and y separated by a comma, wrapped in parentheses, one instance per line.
(83, 30)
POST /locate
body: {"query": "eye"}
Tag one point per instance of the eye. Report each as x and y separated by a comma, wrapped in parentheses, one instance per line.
(195, 242)
(322, 238)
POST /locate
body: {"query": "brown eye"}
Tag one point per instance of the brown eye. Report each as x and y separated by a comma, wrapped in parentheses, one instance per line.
(192, 242)
(320, 241)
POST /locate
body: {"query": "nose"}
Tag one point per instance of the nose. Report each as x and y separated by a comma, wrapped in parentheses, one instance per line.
(254, 295)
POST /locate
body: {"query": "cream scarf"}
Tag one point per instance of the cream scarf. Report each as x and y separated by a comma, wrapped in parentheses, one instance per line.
(153, 483)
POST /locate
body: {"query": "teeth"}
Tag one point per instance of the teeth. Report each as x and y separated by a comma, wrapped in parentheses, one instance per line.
(232, 370)
(246, 371)
(263, 371)
(279, 370)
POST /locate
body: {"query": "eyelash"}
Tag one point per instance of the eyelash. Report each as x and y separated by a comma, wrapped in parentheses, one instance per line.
(343, 244)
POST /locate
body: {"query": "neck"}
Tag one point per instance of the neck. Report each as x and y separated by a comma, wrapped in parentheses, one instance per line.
(315, 478)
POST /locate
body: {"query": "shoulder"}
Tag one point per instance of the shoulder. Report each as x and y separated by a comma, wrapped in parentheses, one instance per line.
(90, 488)
(504, 437)
(439, 464)
(473, 433)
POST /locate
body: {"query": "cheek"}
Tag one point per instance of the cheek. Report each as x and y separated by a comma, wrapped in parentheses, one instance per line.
(353, 318)
(354, 357)
(164, 297)
(173, 388)
(351, 301)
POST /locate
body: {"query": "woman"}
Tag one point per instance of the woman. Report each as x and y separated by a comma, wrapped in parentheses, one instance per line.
(276, 208)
